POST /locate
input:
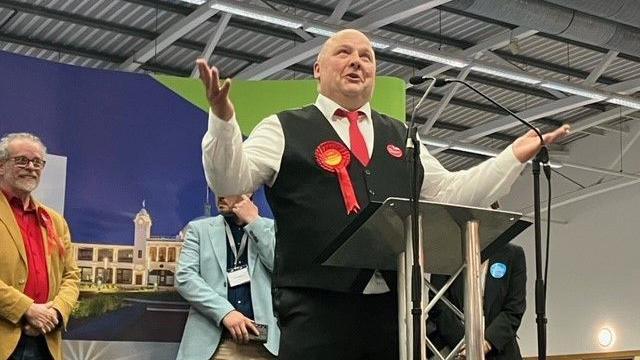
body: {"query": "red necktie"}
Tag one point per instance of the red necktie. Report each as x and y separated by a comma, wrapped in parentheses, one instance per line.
(358, 146)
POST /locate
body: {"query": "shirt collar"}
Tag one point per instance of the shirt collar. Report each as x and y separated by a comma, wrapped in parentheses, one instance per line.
(328, 107)
(15, 202)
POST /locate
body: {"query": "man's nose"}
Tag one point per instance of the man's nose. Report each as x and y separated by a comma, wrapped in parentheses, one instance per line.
(354, 61)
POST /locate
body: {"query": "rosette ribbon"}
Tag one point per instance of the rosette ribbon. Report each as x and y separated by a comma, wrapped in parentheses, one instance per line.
(334, 157)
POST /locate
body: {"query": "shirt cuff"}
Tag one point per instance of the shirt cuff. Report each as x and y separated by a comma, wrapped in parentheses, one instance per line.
(219, 126)
(252, 227)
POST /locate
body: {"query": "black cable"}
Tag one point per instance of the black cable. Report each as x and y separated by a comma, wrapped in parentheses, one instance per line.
(568, 179)
(535, 129)
(546, 260)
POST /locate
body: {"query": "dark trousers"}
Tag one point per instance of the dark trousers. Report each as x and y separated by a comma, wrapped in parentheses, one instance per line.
(318, 324)
(31, 348)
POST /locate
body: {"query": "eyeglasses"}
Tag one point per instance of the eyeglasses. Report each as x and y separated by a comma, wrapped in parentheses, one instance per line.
(23, 162)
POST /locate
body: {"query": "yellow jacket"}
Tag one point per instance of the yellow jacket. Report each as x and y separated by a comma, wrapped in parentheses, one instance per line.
(63, 280)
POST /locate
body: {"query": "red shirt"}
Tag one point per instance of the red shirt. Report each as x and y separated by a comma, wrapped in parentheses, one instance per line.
(37, 286)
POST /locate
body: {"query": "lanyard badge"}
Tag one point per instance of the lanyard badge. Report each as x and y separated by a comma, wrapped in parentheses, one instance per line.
(237, 275)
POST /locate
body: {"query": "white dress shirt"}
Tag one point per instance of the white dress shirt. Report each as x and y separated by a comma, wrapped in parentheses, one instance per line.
(232, 166)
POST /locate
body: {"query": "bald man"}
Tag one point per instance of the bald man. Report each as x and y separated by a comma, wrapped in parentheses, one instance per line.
(330, 312)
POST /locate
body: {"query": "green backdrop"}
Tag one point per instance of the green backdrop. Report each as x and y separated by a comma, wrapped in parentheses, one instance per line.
(255, 100)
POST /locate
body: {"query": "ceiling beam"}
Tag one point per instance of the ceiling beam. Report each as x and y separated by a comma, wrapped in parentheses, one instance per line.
(435, 114)
(491, 43)
(604, 63)
(86, 53)
(173, 33)
(537, 112)
(369, 22)
(601, 118)
(339, 11)
(457, 127)
(213, 41)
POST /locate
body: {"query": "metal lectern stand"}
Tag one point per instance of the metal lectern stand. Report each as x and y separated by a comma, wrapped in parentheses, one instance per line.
(457, 237)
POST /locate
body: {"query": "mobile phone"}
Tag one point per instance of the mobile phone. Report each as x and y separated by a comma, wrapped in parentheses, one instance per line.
(263, 330)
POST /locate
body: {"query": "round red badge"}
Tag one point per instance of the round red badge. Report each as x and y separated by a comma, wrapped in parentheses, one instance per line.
(394, 151)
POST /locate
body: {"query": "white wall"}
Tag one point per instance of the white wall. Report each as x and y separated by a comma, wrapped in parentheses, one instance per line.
(52, 185)
(594, 274)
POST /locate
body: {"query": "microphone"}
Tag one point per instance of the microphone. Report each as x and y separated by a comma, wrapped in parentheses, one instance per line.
(411, 129)
(441, 82)
(419, 79)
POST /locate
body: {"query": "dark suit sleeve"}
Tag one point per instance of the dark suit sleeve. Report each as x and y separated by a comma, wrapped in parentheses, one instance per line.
(449, 328)
(502, 330)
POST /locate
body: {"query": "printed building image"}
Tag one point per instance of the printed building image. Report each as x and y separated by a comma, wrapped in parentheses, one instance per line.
(151, 260)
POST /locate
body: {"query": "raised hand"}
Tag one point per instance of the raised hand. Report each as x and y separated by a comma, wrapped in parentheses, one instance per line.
(246, 210)
(527, 146)
(239, 326)
(217, 94)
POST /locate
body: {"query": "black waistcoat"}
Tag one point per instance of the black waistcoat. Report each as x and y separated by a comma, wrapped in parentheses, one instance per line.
(307, 202)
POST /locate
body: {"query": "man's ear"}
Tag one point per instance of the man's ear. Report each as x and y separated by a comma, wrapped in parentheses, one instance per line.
(316, 70)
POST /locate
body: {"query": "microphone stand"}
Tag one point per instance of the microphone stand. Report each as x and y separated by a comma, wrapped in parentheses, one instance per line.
(413, 155)
(541, 158)
(540, 284)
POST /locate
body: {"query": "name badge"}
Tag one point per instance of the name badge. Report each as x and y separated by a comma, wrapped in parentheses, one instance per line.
(238, 276)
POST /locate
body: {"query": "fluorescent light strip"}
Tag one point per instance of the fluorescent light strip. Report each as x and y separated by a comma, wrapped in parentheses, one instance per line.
(428, 56)
(634, 104)
(196, 2)
(574, 91)
(320, 31)
(314, 29)
(506, 74)
(378, 44)
(261, 16)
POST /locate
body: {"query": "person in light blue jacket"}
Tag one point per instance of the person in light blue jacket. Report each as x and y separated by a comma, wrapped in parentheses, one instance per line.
(224, 272)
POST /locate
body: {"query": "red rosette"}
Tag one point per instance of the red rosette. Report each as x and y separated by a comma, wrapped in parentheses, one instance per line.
(335, 157)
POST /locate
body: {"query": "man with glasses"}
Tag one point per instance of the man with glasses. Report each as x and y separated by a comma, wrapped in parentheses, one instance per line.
(38, 274)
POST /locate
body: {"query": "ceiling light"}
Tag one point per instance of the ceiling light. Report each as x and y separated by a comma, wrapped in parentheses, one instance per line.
(436, 142)
(429, 56)
(378, 44)
(634, 104)
(328, 32)
(270, 17)
(507, 74)
(574, 90)
(320, 31)
(606, 337)
(197, 2)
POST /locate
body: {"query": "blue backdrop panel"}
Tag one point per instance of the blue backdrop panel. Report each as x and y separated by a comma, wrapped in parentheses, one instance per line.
(127, 139)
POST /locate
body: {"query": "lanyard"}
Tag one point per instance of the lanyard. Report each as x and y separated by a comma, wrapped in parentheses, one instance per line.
(243, 244)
